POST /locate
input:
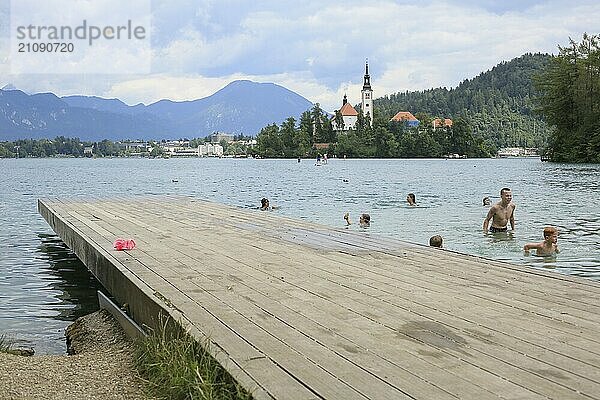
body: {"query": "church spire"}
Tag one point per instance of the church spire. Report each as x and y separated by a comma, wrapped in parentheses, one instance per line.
(367, 95)
(367, 78)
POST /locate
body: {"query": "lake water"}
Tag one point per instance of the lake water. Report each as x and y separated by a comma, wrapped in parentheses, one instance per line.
(43, 286)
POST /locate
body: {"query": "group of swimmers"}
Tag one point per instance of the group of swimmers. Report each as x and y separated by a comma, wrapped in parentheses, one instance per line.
(500, 215)
(503, 213)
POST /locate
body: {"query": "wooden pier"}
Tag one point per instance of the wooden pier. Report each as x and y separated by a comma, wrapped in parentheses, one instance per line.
(295, 310)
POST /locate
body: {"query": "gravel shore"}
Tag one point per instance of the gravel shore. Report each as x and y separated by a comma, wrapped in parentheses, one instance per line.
(101, 366)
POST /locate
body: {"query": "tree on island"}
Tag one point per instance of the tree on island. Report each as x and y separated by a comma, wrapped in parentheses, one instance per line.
(386, 139)
(570, 101)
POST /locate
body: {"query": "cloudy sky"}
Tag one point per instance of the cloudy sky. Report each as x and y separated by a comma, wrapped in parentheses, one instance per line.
(318, 48)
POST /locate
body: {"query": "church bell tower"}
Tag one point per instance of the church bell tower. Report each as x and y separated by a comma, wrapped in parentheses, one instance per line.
(367, 95)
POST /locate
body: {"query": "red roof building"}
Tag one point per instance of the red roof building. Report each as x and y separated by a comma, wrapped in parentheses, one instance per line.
(407, 117)
(349, 116)
(347, 110)
(438, 123)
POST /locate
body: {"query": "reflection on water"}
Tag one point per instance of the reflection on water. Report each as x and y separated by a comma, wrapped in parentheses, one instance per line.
(43, 290)
(76, 285)
(43, 286)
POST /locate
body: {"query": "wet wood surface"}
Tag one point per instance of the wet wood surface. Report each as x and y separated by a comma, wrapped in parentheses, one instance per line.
(296, 310)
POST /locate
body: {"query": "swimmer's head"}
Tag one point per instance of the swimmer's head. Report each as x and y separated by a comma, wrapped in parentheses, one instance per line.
(436, 241)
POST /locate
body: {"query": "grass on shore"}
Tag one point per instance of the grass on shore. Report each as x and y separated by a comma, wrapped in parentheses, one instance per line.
(176, 366)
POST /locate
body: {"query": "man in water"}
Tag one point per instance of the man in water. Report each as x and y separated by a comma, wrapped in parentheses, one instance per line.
(501, 213)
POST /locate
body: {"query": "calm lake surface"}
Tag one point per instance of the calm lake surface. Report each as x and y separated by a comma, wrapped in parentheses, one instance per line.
(43, 286)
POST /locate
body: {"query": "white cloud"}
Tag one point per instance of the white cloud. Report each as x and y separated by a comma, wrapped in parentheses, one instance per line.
(318, 48)
(157, 87)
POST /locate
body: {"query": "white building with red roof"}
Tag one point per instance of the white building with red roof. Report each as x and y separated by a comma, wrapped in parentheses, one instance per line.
(349, 115)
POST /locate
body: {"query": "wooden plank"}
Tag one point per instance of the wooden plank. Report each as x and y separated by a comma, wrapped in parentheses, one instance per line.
(284, 356)
(342, 314)
(235, 349)
(399, 276)
(560, 315)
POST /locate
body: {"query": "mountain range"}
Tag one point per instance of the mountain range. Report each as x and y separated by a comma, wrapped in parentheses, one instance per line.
(499, 103)
(241, 107)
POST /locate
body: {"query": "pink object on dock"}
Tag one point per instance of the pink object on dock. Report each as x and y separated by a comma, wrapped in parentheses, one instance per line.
(124, 244)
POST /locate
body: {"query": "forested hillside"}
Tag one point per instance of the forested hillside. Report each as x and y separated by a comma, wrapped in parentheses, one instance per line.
(570, 101)
(498, 103)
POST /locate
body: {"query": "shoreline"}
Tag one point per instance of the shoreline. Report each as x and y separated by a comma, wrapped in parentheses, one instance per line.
(101, 366)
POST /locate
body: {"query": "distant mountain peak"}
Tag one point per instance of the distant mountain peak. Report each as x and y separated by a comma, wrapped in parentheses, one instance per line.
(9, 86)
(242, 106)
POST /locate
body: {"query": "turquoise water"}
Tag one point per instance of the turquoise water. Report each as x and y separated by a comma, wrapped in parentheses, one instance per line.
(43, 286)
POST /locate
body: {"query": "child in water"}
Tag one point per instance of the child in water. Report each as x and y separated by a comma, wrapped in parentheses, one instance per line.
(364, 220)
(548, 246)
(265, 205)
(436, 241)
(347, 219)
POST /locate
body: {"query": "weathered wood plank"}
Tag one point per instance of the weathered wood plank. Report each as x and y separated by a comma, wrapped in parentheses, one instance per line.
(344, 314)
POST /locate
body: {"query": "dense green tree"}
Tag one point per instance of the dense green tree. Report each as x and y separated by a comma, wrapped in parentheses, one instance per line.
(321, 126)
(288, 136)
(460, 137)
(4, 152)
(156, 151)
(269, 142)
(197, 142)
(385, 143)
(106, 148)
(306, 126)
(339, 120)
(570, 101)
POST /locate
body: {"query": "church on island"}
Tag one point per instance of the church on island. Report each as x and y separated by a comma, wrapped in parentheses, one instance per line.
(346, 117)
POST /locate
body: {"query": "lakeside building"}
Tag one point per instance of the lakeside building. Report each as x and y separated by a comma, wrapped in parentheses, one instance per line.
(517, 152)
(407, 118)
(182, 149)
(249, 143)
(349, 115)
(210, 150)
(136, 147)
(218, 136)
(441, 123)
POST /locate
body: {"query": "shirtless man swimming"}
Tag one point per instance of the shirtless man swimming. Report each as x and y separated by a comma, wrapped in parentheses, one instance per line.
(501, 214)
